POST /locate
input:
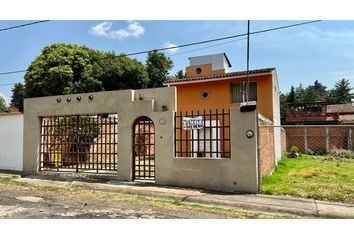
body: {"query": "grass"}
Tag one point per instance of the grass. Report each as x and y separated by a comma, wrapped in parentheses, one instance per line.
(176, 205)
(317, 177)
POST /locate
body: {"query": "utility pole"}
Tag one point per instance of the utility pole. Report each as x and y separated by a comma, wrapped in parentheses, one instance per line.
(248, 61)
(247, 106)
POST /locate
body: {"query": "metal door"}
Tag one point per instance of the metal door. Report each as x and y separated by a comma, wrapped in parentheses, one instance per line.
(143, 149)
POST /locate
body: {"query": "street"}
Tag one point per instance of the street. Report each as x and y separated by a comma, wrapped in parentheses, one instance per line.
(24, 202)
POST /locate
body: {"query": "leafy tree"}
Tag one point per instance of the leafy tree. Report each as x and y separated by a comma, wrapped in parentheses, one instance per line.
(69, 68)
(315, 92)
(158, 67)
(180, 74)
(341, 92)
(17, 96)
(283, 101)
(3, 107)
(300, 93)
(60, 69)
(120, 72)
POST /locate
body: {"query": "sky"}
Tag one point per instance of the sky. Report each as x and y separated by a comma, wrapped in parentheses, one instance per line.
(321, 51)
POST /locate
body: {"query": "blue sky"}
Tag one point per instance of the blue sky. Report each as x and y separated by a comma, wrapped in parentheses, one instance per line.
(323, 50)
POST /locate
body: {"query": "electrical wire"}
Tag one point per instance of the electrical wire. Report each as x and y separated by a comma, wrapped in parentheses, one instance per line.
(23, 25)
(189, 44)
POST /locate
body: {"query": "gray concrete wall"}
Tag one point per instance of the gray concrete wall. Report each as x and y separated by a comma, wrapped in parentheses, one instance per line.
(125, 103)
(237, 174)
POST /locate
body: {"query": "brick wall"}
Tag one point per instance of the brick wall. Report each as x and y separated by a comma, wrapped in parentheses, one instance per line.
(266, 146)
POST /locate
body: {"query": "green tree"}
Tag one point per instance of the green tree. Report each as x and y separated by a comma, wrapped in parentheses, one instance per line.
(300, 93)
(291, 97)
(283, 101)
(158, 67)
(60, 69)
(120, 72)
(315, 92)
(69, 68)
(341, 93)
(3, 107)
(17, 96)
(180, 74)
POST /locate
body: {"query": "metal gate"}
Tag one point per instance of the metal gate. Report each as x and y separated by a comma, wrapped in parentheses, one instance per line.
(79, 143)
(143, 149)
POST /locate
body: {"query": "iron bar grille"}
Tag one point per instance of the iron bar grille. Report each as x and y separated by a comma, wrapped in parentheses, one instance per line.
(211, 140)
(144, 149)
(79, 143)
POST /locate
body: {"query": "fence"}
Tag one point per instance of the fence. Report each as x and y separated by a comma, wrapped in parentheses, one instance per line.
(319, 139)
(80, 143)
(203, 134)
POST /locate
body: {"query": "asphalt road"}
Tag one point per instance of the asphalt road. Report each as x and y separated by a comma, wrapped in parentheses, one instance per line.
(21, 202)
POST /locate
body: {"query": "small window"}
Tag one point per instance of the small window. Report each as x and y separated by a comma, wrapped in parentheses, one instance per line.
(238, 92)
(198, 70)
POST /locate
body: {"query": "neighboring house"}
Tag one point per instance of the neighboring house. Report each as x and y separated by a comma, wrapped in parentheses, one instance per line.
(345, 112)
(209, 85)
(319, 113)
(310, 113)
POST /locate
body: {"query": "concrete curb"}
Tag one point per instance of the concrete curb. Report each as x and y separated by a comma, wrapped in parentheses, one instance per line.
(309, 208)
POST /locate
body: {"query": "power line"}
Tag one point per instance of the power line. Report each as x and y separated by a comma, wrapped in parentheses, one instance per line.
(23, 25)
(222, 38)
(195, 43)
(215, 45)
(8, 84)
(6, 73)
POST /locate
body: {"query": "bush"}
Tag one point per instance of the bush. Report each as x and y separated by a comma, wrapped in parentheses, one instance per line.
(321, 151)
(338, 152)
(293, 152)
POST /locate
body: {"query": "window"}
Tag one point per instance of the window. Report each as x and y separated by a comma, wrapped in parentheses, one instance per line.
(238, 92)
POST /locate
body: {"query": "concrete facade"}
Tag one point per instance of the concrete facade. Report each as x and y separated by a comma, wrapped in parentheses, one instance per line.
(236, 174)
(11, 136)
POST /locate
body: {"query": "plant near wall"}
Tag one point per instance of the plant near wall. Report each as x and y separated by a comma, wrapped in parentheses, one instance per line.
(293, 152)
(3, 107)
(76, 134)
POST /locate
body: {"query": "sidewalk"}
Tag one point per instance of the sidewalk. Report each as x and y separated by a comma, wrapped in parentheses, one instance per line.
(265, 203)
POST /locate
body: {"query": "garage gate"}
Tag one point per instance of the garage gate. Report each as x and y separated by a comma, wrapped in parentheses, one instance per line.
(79, 143)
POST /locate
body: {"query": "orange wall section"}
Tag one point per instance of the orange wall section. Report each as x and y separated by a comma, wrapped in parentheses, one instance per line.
(206, 71)
(189, 96)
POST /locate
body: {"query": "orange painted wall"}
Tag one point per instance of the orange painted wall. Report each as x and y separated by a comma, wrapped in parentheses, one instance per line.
(189, 95)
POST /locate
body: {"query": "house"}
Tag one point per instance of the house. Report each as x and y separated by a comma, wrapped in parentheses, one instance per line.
(319, 113)
(311, 113)
(209, 85)
(344, 111)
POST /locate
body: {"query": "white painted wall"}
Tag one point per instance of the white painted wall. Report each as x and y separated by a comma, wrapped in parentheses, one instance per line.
(218, 61)
(276, 117)
(11, 141)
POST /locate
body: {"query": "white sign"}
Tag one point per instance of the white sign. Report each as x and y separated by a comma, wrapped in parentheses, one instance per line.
(193, 123)
(250, 103)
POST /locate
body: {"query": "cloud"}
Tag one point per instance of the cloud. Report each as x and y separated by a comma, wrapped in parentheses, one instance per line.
(5, 98)
(316, 34)
(168, 45)
(101, 29)
(134, 29)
